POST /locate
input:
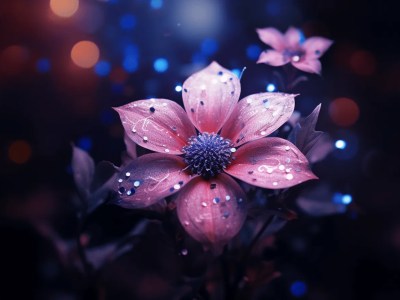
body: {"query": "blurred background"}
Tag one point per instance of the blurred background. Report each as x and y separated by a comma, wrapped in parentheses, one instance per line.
(65, 63)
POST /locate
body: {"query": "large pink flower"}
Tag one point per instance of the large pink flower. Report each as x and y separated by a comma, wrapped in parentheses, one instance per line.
(199, 150)
(289, 47)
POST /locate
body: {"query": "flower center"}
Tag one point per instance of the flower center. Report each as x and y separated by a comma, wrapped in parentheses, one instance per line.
(208, 154)
(294, 55)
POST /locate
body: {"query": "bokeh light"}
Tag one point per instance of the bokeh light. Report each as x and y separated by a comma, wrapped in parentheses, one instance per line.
(270, 87)
(64, 8)
(253, 52)
(156, 4)
(344, 111)
(340, 144)
(160, 65)
(362, 62)
(298, 288)
(178, 88)
(102, 68)
(127, 21)
(43, 65)
(19, 151)
(85, 54)
(340, 198)
(209, 47)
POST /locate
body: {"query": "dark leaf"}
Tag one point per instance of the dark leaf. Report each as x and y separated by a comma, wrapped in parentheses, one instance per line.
(315, 145)
(83, 170)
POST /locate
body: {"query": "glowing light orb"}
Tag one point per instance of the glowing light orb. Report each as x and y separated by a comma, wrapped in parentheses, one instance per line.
(64, 8)
(298, 288)
(19, 152)
(43, 65)
(102, 68)
(340, 144)
(270, 87)
(85, 54)
(156, 4)
(347, 199)
(178, 88)
(253, 52)
(344, 111)
(160, 65)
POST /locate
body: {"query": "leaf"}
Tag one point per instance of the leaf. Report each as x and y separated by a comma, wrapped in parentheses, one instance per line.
(130, 153)
(83, 170)
(315, 145)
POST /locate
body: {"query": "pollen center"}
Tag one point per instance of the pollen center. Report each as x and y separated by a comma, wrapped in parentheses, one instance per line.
(208, 154)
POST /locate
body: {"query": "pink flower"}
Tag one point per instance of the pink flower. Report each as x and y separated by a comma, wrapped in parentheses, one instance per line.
(290, 48)
(200, 150)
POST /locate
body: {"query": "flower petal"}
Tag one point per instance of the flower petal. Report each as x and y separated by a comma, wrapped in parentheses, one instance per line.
(257, 116)
(212, 211)
(308, 65)
(316, 46)
(272, 163)
(272, 58)
(150, 178)
(210, 96)
(293, 38)
(158, 124)
(272, 37)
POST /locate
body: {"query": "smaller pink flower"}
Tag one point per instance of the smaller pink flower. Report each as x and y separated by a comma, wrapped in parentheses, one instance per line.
(289, 47)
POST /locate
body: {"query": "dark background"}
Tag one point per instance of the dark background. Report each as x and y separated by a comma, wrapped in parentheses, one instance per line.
(47, 103)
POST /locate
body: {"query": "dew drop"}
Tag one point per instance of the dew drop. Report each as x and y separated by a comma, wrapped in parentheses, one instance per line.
(203, 204)
(121, 190)
(274, 183)
(216, 200)
(233, 150)
(136, 183)
(270, 170)
(289, 176)
(133, 130)
(287, 148)
(145, 139)
(177, 186)
(127, 174)
(227, 197)
(263, 132)
(225, 215)
(152, 109)
(281, 167)
(120, 180)
(130, 192)
(166, 150)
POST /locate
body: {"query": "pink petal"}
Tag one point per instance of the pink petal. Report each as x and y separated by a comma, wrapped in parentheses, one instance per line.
(271, 37)
(316, 46)
(212, 211)
(272, 163)
(210, 96)
(308, 65)
(150, 178)
(293, 38)
(158, 124)
(272, 58)
(257, 116)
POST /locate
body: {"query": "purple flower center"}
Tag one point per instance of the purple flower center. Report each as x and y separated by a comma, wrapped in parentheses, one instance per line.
(208, 154)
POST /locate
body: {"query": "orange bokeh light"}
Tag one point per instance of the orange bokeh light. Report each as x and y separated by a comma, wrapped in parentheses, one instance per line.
(85, 54)
(19, 152)
(64, 8)
(363, 63)
(344, 111)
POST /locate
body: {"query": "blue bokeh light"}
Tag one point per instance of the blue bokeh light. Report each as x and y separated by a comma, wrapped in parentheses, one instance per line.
(340, 198)
(156, 4)
(253, 52)
(131, 60)
(340, 144)
(209, 47)
(274, 7)
(298, 288)
(199, 58)
(102, 68)
(127, 21)
(178, 88)
(85, 143)
(270, 87)
(43, 65)
(160, 65)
